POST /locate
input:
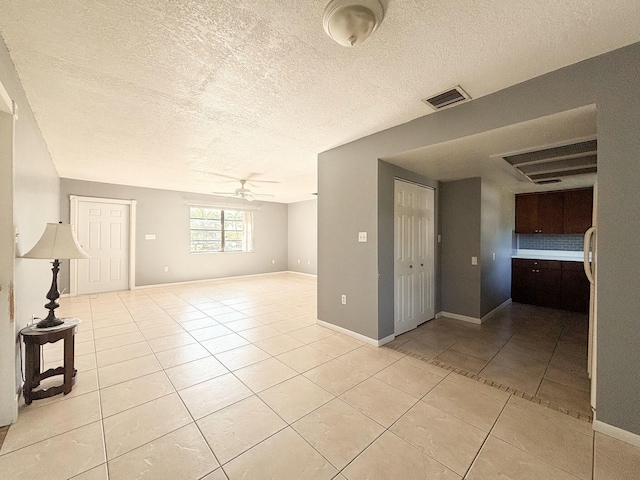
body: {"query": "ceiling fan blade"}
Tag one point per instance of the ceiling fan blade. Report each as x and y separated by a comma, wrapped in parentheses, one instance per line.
(262, 194)
(251, 179)
(230, 177)
(233, 194)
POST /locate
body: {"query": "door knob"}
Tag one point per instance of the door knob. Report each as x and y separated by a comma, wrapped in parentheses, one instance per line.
(410, 266)
(422, 264)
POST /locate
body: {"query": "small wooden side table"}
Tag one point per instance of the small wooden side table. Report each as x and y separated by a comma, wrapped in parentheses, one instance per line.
(34, 338)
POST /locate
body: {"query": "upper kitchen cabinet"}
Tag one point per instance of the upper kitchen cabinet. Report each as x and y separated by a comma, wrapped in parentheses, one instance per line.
(539, 213)
(578, 210)
(554, 212)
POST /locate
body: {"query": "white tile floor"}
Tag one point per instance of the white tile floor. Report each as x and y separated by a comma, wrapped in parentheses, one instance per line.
(233, 380)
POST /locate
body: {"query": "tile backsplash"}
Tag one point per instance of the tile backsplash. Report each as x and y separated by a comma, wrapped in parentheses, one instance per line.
(550, 242)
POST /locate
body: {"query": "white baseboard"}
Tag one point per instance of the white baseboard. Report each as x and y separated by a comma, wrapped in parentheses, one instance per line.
(475, 320)
(357, 336)
(617, 433)
(504, 304)
(302, 273)
(219, 279)
(456, 316)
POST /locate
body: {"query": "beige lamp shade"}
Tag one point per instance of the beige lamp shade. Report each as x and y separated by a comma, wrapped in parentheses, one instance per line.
(57, 242)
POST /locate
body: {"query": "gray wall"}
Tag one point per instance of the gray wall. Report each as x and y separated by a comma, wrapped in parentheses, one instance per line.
(34, 202)
(497, 235)
(387, 173)
(460, 241)
(303, 237)
(348, 199)
(166, 214)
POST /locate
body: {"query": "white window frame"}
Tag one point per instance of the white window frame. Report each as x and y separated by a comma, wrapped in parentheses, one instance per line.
(247, 230)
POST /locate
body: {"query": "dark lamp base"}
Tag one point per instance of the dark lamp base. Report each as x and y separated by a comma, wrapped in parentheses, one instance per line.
(49, 322)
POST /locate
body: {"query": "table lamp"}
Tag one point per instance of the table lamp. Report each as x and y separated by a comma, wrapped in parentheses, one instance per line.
(57, 242)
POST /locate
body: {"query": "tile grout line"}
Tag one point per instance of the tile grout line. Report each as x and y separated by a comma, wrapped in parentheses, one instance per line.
(555, 347)
(475, 458)
(486, 381)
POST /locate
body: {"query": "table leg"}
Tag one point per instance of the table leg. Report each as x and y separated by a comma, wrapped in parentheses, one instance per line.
(32, 369)
(68, 361)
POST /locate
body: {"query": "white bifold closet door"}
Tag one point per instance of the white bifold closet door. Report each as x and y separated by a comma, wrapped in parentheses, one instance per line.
(414, 268)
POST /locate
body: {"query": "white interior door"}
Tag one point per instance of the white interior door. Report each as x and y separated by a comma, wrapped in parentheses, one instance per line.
(414, 256)
(103, 231)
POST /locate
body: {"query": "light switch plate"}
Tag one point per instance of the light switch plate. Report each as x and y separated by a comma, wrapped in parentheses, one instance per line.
(474, 260)
(362, 237)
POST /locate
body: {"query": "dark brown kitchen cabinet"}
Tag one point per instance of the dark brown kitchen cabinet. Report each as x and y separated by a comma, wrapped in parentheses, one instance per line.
(568, 212)
(550, 283)
(575, 288)
(578, 210)
(539, 213)
(526, 213)
(536, 282)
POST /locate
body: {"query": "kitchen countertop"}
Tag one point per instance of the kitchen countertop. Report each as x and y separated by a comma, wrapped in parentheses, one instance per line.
(560, 255)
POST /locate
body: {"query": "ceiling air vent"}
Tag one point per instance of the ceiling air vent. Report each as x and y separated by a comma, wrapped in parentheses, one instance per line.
(547, 182)
(548, 165)
(447, 98)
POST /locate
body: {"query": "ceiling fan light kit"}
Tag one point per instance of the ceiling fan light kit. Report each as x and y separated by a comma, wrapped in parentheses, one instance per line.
(351, 22)
(243, 193)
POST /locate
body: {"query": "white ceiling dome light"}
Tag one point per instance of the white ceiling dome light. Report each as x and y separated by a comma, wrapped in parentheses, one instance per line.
(351, 22)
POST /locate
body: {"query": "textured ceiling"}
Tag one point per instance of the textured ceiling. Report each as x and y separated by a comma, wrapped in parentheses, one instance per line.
(481, 155)
(163, 93)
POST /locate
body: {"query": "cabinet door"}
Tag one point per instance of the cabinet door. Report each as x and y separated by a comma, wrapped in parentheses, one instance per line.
(578, 210)
(550, 212)
(548, 288)
(526, 213)
(575, 288)
(523, 283)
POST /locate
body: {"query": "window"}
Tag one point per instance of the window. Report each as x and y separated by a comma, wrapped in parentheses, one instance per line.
(216, 230)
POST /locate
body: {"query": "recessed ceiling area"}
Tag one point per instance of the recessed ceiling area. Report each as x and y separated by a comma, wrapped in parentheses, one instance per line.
(164, 94)
(482, 155)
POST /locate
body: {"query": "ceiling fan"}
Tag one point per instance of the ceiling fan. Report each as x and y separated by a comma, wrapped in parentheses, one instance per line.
(244, 193)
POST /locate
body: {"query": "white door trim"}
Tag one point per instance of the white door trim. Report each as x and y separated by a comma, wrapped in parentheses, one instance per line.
(74, 200)
(9, 389)
(430, 238)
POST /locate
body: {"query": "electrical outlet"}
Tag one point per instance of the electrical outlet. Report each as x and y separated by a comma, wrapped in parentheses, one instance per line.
(344, 299)
(149, 236)
(494, 256)
(308, 262)
(298, 260)
(273, 262)
(362, 237)
(439, 238)
(166, 269)
(474, 260)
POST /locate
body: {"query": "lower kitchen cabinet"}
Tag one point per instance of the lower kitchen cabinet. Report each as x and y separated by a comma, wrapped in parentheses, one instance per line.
(536, 282)
(575, 288)
(550, 283)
